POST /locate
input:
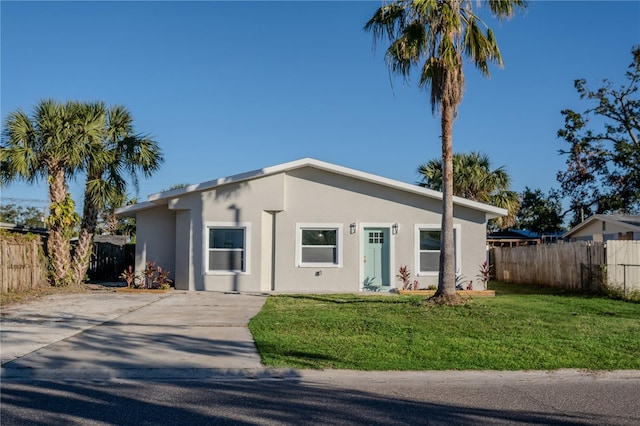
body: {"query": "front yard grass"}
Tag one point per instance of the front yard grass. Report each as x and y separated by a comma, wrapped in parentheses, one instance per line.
(522, 328)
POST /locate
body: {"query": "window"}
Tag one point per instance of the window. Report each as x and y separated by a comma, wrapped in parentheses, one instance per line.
(227, 250)
(319, 245)
(428, 248)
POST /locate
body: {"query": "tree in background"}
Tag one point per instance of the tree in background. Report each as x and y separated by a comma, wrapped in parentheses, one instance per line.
(474, 180)
(28, 216)
(119, 153)
(52, 143)
(540, 213)
(603, 158)
(116, 225)
(436, 36)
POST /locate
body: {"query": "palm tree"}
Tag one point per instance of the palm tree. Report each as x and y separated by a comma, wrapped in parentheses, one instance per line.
(50, 144)
(473, 179)
(119, 152)
(440, 33)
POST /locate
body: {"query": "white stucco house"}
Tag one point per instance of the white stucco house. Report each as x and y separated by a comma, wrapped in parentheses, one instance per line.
(605, 227)
(304, 226)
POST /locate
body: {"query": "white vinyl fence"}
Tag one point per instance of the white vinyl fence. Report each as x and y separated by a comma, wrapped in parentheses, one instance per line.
(623, 265)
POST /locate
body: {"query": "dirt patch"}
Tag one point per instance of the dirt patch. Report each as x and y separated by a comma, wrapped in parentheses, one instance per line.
(447, 300)
(18, 297)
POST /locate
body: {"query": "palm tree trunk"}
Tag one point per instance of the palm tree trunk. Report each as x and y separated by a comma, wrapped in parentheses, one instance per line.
(82, 255)
(446, 276)
(58, 244)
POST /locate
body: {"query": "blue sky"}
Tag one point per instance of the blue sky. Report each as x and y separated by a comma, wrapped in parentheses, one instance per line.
(228, 87)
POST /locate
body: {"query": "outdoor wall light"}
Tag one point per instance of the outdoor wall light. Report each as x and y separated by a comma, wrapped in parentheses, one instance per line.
(352, 228)
(394, 228)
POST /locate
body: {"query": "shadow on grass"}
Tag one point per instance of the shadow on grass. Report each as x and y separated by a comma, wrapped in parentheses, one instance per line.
(353, 298)
(503, 289)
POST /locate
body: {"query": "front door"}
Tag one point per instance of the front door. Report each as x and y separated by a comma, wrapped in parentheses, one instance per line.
(376, 259)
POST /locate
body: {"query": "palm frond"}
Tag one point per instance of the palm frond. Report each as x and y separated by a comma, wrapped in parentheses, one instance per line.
(505, 9)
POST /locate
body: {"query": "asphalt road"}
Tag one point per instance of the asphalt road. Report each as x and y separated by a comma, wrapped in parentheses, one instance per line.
(329, 398)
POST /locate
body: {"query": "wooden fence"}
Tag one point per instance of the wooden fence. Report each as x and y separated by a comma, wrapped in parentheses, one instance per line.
(108, 261)
(570, 265)
(22, 265)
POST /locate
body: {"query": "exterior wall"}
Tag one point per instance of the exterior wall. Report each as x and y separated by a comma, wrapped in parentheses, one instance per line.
(184, 276)
(236, 203)
(315, 196)
(473, 243)
(273, 206)
(155, 239)
(594, 232)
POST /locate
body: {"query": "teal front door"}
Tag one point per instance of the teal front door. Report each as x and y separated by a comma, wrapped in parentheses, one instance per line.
(376, 259)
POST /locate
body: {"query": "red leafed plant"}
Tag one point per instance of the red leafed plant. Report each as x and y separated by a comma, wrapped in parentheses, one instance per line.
(404, 275)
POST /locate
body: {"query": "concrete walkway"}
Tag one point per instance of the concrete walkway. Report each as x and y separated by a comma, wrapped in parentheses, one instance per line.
(105, 335)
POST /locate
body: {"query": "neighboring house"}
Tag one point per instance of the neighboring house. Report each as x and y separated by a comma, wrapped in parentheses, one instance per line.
(304, 226)
(520, 237)
(24, 229)
(604, 227)
(116, 240)
(512, 238)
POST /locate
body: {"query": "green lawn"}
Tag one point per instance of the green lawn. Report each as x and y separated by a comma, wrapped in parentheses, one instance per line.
(522, 328)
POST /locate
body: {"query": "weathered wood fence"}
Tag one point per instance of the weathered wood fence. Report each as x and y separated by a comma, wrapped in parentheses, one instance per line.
(22, 265)
(584, 265)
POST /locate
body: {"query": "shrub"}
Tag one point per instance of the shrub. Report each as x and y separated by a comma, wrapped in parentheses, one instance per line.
(404, 275)
(153, 277)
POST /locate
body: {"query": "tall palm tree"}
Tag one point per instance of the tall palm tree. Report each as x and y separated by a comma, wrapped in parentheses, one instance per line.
(119, 153)
(440, 33)
(51, 143)
(474, 179)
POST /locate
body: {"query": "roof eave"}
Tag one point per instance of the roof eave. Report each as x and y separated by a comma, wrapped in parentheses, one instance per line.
(161, 198)
(130, 211)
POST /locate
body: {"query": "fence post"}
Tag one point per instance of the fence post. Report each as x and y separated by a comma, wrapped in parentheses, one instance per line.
(34, 264)
(4, 260)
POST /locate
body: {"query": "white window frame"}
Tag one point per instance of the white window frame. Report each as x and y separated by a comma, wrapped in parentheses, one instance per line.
(246, 226)
(435, 227)
(321, 227)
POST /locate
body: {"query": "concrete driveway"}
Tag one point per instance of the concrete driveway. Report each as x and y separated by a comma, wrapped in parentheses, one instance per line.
(131, 335)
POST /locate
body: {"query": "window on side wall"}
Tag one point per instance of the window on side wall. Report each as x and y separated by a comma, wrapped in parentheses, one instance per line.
(428, 249)
(227, 249)
(319, 245)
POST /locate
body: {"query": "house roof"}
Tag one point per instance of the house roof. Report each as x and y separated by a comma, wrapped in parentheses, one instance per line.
(632, 223)
(512, 234)
(117, 240)
(24, 229)
(162, 198)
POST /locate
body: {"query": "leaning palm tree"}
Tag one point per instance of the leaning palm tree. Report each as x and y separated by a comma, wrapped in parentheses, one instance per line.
(119, 153)
(474, 179)
(51, 144)
(440, 33)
